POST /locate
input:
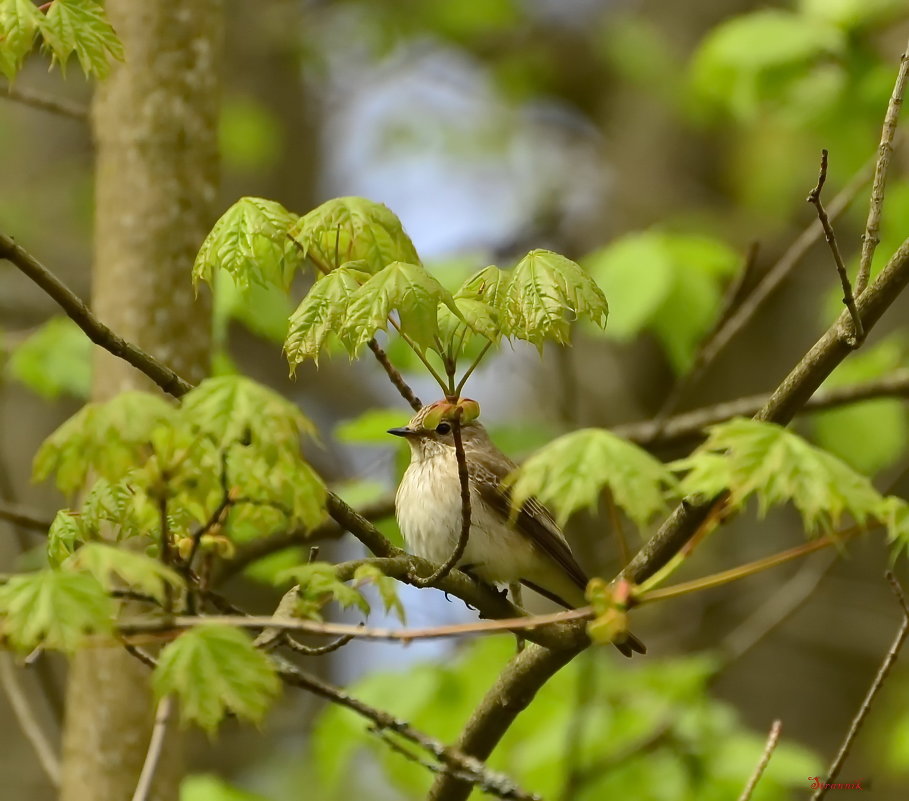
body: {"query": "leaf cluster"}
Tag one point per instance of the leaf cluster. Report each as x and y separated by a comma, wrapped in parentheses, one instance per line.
(65, 28)
(368, 276)
(748, 458)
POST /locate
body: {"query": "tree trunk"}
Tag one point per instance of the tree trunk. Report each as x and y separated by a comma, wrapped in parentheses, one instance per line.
(155, 127)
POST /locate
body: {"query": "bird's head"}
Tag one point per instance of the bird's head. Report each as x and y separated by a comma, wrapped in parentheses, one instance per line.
(430, 430)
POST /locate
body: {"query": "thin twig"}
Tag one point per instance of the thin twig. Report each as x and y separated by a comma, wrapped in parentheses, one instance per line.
(419, 353)
(681, 428)
(782, 269)
(316, 650)
(141, 654)
(474, 770)
(473, 366)
(32, 730)
(871, 237)
(873, 690)
(464, 480)
(772, 740)
(24, 517)
(39, 100)
(155, 748)
(857, 335)
(395, 376)
(278, 623)
(399, 748)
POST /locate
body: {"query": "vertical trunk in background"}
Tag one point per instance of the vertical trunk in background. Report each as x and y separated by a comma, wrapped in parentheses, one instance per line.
(155, 127)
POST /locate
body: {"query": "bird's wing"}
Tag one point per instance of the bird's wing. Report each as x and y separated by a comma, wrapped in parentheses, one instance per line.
(533, 519)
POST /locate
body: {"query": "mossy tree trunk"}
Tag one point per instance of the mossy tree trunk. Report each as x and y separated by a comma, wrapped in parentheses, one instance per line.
(155, 128)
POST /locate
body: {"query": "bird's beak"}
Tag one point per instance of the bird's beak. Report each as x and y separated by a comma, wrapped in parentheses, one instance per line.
(404, 431)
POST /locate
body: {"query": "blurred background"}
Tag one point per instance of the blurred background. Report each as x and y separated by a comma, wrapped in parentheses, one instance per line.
(656, 143)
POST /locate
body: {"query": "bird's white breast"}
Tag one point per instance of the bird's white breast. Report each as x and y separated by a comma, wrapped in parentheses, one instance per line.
(428, 509)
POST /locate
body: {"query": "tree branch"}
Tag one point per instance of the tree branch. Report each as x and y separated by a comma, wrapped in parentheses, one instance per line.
(155, 747)
(871, 238)
(29, 97)
(738, 319)
(82, 316)
(24, 517)
(395, 376)
(513, 691)
(463, 764)
(781, 407)
(879, 679)
(772, 740)
(32, 730)
(681, 428)
(857, 335)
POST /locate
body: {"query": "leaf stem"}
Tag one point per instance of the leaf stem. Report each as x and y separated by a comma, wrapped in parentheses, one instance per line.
(473, 366)
(420, 355)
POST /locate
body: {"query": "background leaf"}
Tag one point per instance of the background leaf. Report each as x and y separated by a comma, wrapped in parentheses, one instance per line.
(55, 360)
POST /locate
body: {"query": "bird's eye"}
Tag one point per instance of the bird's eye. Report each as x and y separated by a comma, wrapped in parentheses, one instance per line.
(443, 428)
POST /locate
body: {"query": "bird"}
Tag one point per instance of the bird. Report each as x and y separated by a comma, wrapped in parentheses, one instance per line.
(503, 547)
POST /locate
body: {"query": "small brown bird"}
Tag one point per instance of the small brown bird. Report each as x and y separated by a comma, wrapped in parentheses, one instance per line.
(502, 548)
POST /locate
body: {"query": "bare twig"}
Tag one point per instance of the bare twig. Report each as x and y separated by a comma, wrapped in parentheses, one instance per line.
(781, 270)
(24, 517)
(395, 376)
(32, 730)
(464, 480)
(155, 747)
(316, 650)
(772, 739)
(791, 395)
(857, 335)
(55, 105)
(475, 771)
(683, 427)
(280, 622)
(873, 690)
(871, 237)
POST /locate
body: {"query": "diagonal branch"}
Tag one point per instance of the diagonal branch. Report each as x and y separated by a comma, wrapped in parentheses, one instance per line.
(772, 740)
(455, 759)
(873, 690)
(155, 748)
(39, 100)
(32, 730)
(791, 395)
(24, 517)
(82, 316)
(681, 428)
(871, 237)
